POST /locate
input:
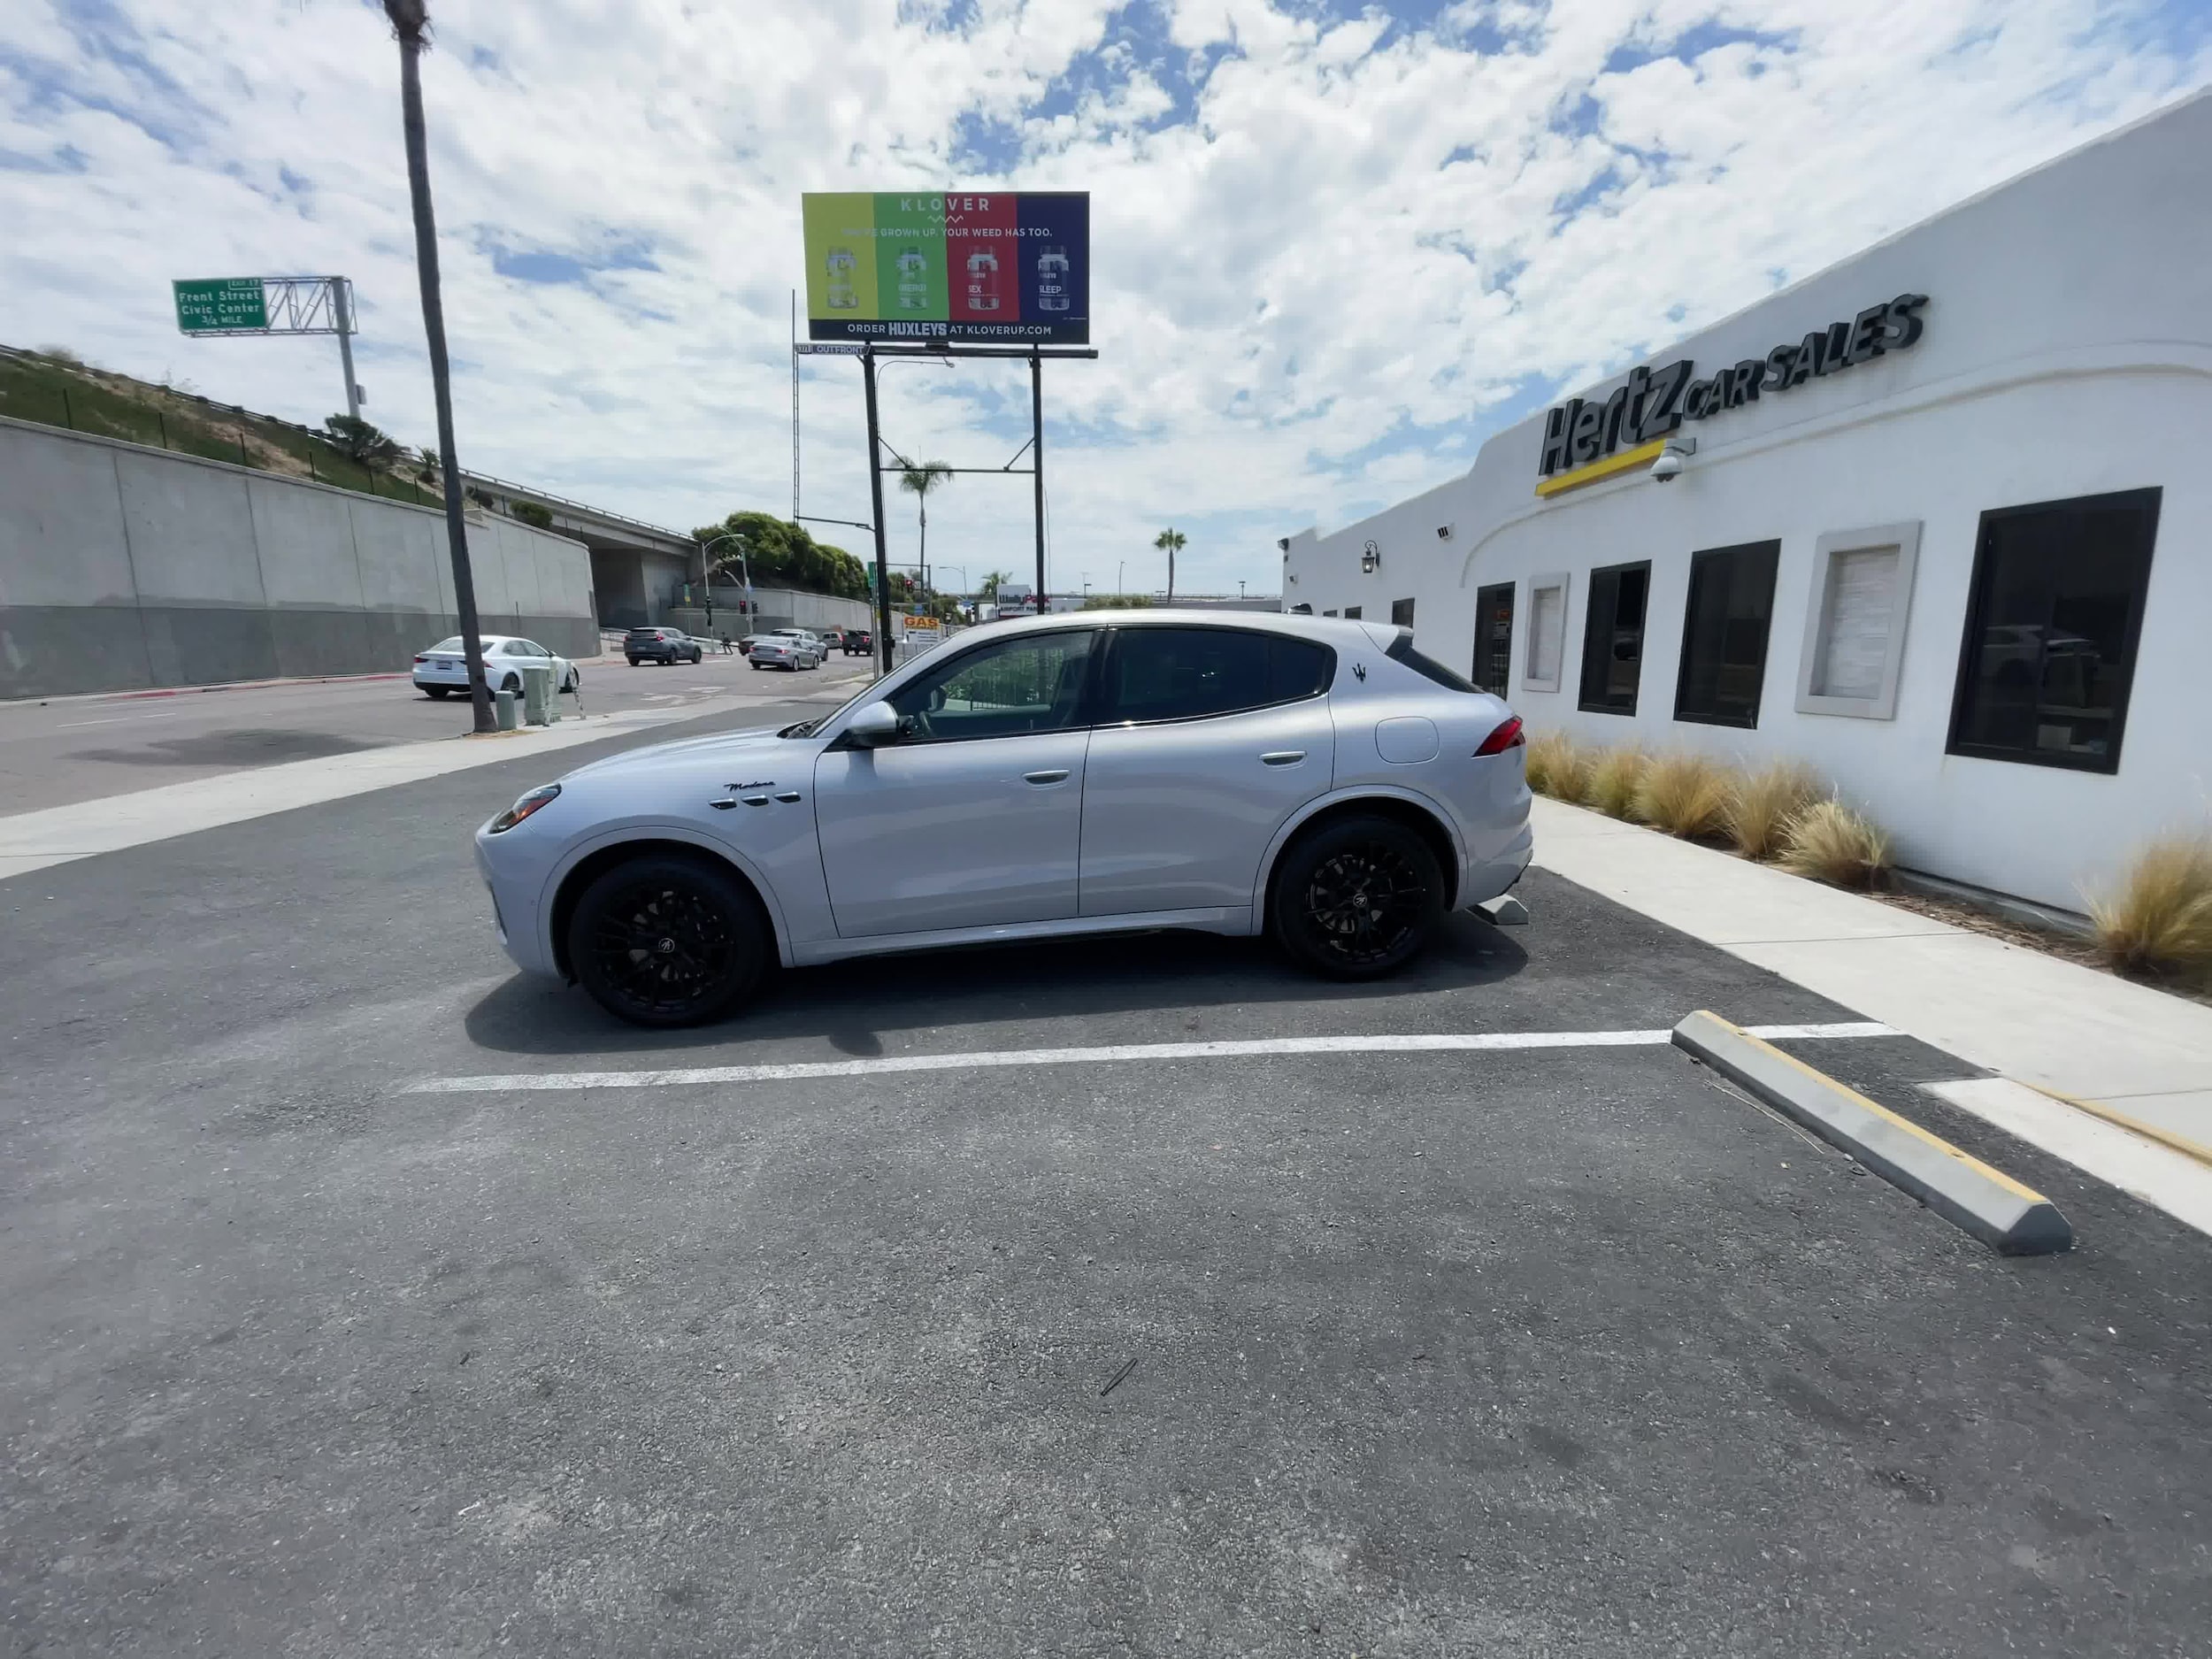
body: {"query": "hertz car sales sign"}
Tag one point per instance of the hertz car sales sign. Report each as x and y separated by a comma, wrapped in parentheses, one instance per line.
(1588, 440)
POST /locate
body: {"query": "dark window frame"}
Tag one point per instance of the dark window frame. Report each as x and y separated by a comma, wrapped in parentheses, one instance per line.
(1978, 608)
(1643, 630)
(1401, 613)
(1101, 688)
(1511, 589)
(1705, 558)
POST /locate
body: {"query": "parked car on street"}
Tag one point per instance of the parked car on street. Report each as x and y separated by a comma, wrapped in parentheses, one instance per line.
(442, 670)
(661, 645)
(1319, 780)
(780, 650)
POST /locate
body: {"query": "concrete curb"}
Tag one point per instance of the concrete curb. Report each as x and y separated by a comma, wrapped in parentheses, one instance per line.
(1985, 1201)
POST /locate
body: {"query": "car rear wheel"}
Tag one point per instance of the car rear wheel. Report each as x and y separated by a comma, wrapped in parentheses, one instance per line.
(513, 682)
(1357, 899)
(666, 940)
(437, 693)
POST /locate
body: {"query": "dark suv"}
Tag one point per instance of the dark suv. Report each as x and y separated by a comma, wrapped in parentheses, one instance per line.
(857, 643)
(660, 645)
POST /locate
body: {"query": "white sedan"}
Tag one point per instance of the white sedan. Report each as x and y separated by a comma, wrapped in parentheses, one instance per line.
(444, 669)
(1317, 780)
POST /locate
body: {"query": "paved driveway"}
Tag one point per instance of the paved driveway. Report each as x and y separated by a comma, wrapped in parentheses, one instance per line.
(1555, 1350)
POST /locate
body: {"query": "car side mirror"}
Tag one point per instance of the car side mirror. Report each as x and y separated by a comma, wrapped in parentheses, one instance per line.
(875, 724)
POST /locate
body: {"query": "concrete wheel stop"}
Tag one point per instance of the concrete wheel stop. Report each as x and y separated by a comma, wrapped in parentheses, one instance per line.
(1984, 1200)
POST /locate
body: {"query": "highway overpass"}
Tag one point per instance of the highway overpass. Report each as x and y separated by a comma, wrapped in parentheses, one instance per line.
(638, 569)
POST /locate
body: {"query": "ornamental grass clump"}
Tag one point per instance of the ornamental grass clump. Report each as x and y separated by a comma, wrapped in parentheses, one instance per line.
(2157, 919)
(1830, 843)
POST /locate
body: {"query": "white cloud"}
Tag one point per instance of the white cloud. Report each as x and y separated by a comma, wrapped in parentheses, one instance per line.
(1311, 295)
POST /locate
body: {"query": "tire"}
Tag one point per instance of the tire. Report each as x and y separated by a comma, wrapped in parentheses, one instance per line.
(437, 694)
(711, 957)
(754, 666)
(575, 683)
(1322, 908)
(513, 682)
(635, 661)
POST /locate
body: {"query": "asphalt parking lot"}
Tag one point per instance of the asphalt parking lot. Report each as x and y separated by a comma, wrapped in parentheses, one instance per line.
(1569, 1351)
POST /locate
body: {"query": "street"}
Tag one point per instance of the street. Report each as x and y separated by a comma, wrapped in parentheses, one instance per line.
(313, 1349)
(67, 749)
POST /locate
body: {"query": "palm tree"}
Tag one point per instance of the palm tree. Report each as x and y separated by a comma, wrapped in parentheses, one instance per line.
(988, 592)
(411, 22)
(920, 481)
(1171, 542)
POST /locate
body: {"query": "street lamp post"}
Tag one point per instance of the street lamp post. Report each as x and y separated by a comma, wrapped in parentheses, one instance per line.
(706, 573)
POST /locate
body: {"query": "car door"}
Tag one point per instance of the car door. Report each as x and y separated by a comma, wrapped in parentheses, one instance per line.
(1205, 740)
(973, 818)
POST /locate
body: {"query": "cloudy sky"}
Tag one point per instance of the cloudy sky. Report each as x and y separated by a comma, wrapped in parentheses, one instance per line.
(1334, 246)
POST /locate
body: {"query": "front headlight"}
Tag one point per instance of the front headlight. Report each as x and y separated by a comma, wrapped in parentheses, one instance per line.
(525, 806)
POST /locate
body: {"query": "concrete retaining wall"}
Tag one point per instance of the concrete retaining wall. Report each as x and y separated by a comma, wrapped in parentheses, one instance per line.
(123, 567)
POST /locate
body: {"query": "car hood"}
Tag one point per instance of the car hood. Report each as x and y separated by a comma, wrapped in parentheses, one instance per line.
(721, 746)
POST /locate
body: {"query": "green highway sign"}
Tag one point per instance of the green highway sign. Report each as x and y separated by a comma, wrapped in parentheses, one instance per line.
(220, 306)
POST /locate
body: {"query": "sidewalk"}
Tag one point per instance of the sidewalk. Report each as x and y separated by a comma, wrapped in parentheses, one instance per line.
(2036, 1020)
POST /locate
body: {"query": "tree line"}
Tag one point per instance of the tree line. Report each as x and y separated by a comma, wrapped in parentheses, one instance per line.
(780, 554)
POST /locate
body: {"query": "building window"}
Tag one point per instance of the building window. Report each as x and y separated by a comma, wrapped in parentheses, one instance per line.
(1351, 614)
(1401, 613)
(2051, 627)
(1493, 639)
(1546, 645)
(1724, 635)
(1328, 613)
(1613, 638)
(1855, 623)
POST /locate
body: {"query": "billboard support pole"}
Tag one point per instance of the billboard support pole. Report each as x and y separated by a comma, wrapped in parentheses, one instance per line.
(875, 496)
(1037, 464)
(341, 311)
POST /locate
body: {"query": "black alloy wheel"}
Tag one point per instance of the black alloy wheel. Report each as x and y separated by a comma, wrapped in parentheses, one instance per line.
(666, 940)
(1358, 898)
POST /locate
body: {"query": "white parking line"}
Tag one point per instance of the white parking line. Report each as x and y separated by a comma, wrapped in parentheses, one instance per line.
(1229, 1049)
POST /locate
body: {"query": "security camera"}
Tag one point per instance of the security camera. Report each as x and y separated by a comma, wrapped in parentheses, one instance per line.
(1669, 465)
(1283, 543)
(1443, 532)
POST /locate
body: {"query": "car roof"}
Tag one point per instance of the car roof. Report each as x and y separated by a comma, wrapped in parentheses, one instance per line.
(1351, 635)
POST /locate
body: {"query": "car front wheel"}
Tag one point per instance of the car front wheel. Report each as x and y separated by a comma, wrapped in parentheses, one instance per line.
(665, 940)
(1357, 899)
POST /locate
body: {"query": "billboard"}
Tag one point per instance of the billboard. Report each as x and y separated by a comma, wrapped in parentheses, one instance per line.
(980, 267)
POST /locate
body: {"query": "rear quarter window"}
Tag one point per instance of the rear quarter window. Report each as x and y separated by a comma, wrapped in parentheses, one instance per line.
(1401, 651)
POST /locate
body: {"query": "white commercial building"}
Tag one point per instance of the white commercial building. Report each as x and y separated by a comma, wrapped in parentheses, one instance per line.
(1940, 524)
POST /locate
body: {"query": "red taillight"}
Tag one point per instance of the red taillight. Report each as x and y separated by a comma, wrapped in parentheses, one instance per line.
(422, 660)
(1508, 736)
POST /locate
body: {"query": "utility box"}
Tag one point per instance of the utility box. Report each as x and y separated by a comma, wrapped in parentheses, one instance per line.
(537, 693)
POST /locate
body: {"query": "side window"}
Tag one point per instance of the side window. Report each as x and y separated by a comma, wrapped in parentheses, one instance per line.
(1724, 635)
(1190, 673)
(514, 647)
(1613, 638)
(1031, 683)
(2049, 653)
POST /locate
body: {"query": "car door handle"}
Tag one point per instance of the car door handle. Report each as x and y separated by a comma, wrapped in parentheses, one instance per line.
(1283, 757)
(1056, 774)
